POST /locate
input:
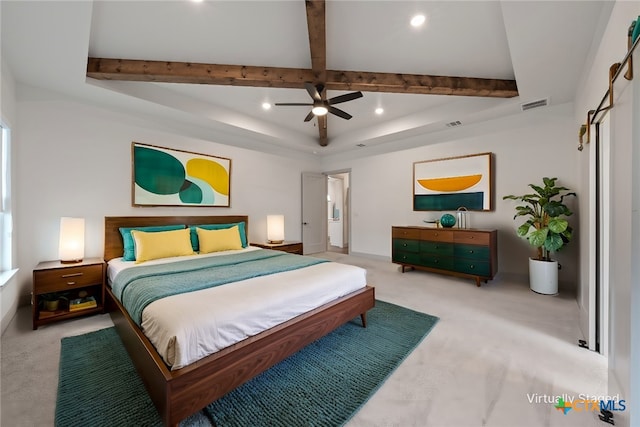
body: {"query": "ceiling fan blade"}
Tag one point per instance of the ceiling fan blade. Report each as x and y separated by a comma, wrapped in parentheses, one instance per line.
(314, 92)
(309, 116)
(290, 104)
(344, 98)
(339, 113)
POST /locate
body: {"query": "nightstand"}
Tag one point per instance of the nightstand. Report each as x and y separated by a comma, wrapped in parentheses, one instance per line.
(291, 247)
(67, 282)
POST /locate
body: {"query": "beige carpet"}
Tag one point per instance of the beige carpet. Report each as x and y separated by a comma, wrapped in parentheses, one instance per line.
(495, 349)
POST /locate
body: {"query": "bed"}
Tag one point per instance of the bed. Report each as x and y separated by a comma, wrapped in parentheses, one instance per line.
(179, 393)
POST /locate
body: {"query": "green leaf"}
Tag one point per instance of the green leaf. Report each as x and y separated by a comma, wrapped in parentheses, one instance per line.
(538, 237)
(523, 230)
(549, 182)
(553, 243)
(558, 225)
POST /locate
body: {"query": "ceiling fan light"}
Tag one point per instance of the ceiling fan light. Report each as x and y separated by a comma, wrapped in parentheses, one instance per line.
(319, 110)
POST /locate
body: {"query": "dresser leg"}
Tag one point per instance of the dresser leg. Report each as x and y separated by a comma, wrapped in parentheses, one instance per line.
(363, 317)
(477, 281)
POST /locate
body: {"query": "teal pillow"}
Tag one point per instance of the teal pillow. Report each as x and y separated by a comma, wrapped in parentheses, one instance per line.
(130, 245)
(194, 234)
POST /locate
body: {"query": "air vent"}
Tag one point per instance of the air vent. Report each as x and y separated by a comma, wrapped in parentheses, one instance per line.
(360, 145)
(534, 104)
(454, 124)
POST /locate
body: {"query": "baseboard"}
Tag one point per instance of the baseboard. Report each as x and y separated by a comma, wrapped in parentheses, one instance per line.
(371, 256)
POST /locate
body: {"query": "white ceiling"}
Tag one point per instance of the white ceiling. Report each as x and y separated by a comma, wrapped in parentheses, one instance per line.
(543, 45)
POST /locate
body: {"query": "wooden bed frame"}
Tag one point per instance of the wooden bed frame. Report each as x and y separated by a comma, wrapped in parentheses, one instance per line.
(183, 392)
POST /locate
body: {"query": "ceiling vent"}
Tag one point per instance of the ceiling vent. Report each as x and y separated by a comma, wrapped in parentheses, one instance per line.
(360, 145)
(454, 124)
(535, 104)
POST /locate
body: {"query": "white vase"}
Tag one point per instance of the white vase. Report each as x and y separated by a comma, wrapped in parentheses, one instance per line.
(543, 276)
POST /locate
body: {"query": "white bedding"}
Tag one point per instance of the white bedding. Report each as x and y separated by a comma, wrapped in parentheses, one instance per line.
(187, 327)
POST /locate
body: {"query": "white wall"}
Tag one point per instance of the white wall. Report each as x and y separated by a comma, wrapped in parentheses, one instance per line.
(527, 147)
(624, 351)
(75, 160)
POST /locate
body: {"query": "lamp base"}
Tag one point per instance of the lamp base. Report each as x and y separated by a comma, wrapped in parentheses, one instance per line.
(71, 261)
(275, 242)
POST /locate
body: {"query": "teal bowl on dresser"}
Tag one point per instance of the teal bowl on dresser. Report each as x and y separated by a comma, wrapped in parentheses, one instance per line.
(447, 220)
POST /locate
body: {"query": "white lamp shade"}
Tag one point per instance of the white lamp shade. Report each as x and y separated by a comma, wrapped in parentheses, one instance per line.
(275, 228)
(71, 248)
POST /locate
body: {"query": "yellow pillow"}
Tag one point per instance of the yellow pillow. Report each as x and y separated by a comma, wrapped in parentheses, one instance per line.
(162, 244)
(219, 240)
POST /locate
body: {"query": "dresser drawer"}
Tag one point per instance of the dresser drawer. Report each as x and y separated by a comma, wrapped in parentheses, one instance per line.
(406, 257)
(406, 245)
(437, 234)
(481, 253)
(435, 261)
(67, 278)
(473, 267)
(437, 248)
(472, 238)
(405, 233)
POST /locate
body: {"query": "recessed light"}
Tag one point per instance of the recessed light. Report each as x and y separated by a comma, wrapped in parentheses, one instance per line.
(418, 20)
(266, 106)
(379, 110)
(197, 1)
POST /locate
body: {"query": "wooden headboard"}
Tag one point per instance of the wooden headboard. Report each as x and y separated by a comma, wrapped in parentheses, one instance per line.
(113, 246)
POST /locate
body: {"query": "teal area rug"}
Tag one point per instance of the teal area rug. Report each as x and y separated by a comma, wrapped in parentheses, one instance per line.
(323, 384)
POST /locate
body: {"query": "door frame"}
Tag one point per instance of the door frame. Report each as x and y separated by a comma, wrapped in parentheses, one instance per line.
(347, 217)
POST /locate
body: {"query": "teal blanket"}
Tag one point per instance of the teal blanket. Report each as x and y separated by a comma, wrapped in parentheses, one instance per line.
(140, 286)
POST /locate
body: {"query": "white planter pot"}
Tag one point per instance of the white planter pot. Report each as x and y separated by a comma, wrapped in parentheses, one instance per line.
(543, 276)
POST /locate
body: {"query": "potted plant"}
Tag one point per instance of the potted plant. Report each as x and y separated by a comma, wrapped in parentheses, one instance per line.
(546, 229)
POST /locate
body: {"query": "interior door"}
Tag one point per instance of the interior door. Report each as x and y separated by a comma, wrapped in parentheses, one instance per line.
(314, 212)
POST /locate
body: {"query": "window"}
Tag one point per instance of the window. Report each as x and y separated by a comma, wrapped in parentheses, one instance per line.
(6, 222)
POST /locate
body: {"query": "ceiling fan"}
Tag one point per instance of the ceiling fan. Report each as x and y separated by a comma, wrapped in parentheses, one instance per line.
(321, 107)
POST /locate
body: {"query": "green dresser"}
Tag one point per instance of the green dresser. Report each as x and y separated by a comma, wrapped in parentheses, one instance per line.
(469, 253)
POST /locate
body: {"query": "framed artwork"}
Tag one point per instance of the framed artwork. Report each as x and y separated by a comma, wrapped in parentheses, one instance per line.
(454, 182)
(168, 177)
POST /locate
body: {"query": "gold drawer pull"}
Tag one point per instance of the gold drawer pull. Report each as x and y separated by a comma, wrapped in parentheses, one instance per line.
(472, 266)
(64, 276)
(471, 251)
(71, 283)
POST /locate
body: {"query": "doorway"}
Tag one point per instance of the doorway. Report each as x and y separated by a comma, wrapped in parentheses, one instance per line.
(338, 212)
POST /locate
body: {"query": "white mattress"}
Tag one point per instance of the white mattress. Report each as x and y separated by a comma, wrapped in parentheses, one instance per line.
(187, 327)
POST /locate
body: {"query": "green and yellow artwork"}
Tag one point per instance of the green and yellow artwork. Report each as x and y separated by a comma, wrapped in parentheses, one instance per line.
(170, 177)
(454, 182)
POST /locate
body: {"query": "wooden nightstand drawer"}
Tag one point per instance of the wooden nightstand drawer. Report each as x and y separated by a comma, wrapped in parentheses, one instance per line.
(67, 278)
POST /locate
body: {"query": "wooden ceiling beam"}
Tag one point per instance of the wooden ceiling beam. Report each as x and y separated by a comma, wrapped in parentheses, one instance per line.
(316, 26)
(317, 30)
(197, 73)
(420, 84)
(294, 78)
